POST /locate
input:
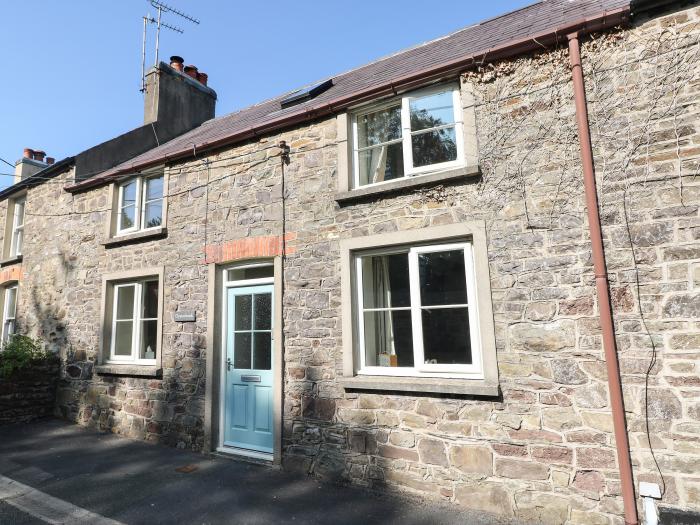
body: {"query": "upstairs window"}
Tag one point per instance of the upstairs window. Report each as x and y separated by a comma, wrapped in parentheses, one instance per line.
(135, 318)
(17, 228)
(415, 134)
(140, 205)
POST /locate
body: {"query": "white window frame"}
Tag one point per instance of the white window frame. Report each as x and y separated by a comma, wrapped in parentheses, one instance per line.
(137, 320)
(420, 368)
(5, 317)
(139, 204)
(406, 134)
(17, 239)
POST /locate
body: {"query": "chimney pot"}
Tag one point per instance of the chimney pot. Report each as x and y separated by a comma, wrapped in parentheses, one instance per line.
(202, 77)
(191, 71)
(39, 155)
(50, 160)
(177, 62)
(28, 153)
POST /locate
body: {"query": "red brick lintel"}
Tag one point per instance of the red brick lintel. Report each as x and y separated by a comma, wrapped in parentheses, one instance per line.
(250, 248)
(11, 274)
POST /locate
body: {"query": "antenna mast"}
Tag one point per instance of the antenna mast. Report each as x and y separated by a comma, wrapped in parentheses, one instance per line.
(162, 8)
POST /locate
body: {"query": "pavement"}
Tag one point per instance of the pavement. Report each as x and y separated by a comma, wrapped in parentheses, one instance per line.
(52, 471)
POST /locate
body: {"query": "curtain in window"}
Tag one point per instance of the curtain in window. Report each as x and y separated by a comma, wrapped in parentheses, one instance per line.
(378, 163)
(384, 333)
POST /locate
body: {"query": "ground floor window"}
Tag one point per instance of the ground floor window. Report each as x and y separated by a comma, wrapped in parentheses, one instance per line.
(418, 304)
(8, 312)
(135, 323)
(133, 305)
(417, 310)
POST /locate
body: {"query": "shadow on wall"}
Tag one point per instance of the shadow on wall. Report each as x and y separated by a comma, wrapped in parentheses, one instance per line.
(214, 492)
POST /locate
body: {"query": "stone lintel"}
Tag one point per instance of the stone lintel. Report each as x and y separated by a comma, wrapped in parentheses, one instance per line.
(365, 192)
(435, 385)
(129, 370)
(146, 235)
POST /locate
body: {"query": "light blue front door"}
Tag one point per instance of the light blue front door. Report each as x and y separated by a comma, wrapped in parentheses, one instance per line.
(248, 371)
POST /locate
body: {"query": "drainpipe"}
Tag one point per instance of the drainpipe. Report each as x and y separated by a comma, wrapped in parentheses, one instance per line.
(601, 281)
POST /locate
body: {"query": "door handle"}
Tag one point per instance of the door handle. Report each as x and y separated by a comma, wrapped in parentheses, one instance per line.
(228, 364)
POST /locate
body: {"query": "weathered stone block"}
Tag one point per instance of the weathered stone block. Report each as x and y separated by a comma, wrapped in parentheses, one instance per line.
(432, 452)
(547, 337)
(521, 469)
(475, 459)
(486, 497)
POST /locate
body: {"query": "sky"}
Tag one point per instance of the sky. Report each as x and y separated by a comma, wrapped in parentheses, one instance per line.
(72, 68)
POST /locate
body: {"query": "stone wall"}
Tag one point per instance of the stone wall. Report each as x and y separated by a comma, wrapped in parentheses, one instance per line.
(29, 394)
(542, 451)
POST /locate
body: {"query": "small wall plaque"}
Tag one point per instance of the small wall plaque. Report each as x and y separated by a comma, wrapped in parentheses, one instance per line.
(185, 317)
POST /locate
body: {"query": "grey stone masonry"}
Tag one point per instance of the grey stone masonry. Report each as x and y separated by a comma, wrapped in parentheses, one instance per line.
(543, 449)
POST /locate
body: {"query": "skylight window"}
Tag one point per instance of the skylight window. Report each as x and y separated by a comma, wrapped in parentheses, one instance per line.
(307, 93)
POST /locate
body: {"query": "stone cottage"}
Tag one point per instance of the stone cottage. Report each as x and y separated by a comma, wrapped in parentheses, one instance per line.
(396, 277)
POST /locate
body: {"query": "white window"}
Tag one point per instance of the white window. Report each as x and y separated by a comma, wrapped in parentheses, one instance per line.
(135, 322)
(420, 132)
(17, 228)
(417, 313)
(140, 205)
(8, 312)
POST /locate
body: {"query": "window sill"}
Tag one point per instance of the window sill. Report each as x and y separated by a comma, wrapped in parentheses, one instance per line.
(129, 370)
(118, 240)
(15, 259)
(434, 385)
(346, 197)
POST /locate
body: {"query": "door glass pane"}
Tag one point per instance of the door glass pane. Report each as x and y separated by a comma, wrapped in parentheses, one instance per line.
(149, 339)
(442, 278)
(256, 272)
(434, 147)
(243, 312)
(381, 126)
(241, 353)
(388, 338)
(154, 214)
(150, 300)
(127, 217)
(385, 281)
(125, 302)
(263, 311)
(446, 336)
(432, 111)
(381, 163)
(123, 334)
(262, 353)
(154, 188)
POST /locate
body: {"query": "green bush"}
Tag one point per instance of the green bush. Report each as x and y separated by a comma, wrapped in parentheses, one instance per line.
(19, 353)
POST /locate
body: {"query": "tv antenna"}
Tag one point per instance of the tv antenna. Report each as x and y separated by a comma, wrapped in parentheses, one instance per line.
(148, 19)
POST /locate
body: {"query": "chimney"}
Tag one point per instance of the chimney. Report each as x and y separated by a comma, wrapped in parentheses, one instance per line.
(176, 100)
(176, 63)
(32, 162)
(191, 71)
(50, 160)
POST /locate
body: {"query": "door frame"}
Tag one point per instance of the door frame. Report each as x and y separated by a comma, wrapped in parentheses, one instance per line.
(216, 357)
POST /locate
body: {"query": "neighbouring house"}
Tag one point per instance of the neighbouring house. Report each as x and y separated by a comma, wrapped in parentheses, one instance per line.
(395, 277)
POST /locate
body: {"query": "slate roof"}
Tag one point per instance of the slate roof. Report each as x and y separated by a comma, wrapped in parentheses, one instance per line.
(518, 31)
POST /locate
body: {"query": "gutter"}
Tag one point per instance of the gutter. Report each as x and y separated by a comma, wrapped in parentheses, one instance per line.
(602, 286)
(38, 177)
(604, 20)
